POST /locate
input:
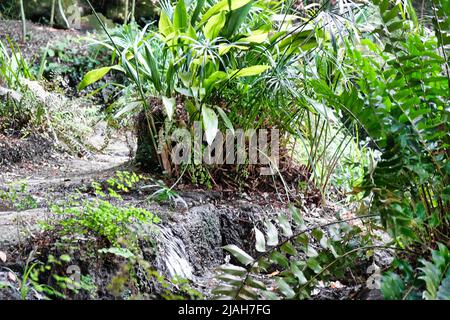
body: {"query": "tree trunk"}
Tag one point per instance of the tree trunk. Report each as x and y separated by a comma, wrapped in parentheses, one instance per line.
(146, 155)
(125, 20)
(52, 14)
(63, 15)
(133, 8)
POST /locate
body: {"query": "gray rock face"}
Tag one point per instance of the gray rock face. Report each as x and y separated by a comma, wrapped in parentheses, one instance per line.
(200, 230)
(197, 236)
(16, 227)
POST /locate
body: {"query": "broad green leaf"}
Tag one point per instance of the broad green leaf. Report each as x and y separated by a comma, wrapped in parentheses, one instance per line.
(285, 225)
(230, 279)
(180, 18)
(198, 9)
(250, 71)
(232, 269)
(236, 18)
(298, 274)
(169, 106)
(289, 248)
(224, 48)
(317, 234)
(255, 38)
(325, 242)
(248, 293)
(225, 290)
(152, 64)
(314, 265)
(284, 288)
(211, 123)
(296, 216)
(165, 25)
(214, 25)
(120, 252)
(272, 234)
(128, 108)
(239, 254)
(95, 75)
(260, 241)
(444, 289)
(223, 5)
(214, 79)
(65, 258)
(255, 283)
(280, 259)
(225, 119)
(311, 252)
(269, 295)
(392, 286)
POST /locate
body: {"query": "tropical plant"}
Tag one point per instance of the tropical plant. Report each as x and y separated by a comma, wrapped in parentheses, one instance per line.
(394, 85)
(294, 258)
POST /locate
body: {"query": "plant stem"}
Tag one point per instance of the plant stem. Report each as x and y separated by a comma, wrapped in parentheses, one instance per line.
(24, 21)
(52, 13)
(125, 20)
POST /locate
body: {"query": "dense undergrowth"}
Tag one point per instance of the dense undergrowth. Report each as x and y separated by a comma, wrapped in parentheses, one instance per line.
(360, 91)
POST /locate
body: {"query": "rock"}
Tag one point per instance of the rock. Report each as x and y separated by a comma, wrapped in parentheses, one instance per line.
(14, 150)
(15, 227)
(8, 292)
(200, 231)
(90, 22)
(370, 294)
(236, 228)
(113, 11)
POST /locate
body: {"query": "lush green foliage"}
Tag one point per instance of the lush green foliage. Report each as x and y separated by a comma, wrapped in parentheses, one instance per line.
(361, 93)
(17, 196)
(304, 255)
(395, 88)
(103, 219)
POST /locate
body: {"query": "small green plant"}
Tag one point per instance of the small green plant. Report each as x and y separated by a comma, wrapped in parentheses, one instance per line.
(17, 196)
(163, 193)
(68, 60)
(431, 280)
(101, 218)
(50, 280)
(123, 181)
(199, 175)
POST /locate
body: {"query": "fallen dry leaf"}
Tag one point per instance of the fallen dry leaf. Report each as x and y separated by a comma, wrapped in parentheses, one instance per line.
(273, 274)
(2, 256)
(336, 285)
(12, 277)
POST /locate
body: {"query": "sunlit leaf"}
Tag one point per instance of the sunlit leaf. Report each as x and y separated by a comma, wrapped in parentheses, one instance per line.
(250, 71)
(214, 25)
(95, 75)
(260, 240)
(211, 123)
(169, 106)
(239, 254)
